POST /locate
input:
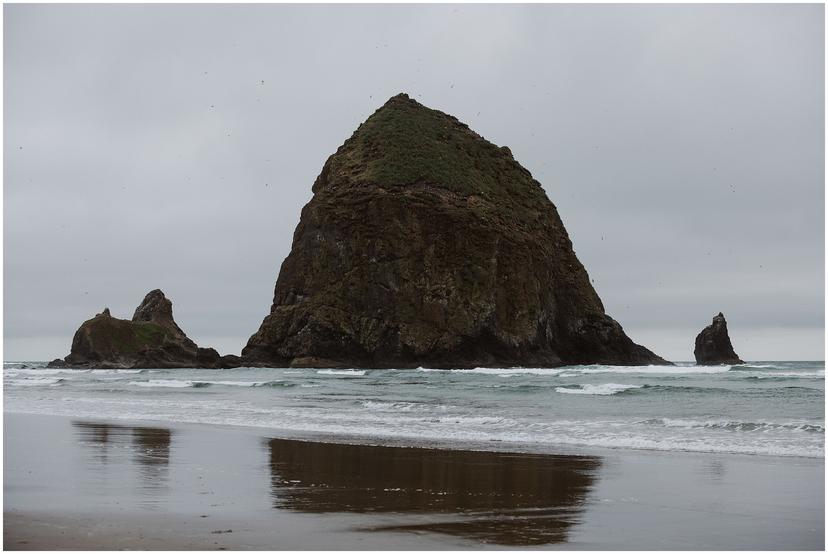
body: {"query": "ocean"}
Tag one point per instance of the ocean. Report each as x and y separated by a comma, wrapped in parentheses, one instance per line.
(761, 408)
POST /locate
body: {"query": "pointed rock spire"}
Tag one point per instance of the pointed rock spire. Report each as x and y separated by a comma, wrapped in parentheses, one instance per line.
(157, 308)
(713, 345)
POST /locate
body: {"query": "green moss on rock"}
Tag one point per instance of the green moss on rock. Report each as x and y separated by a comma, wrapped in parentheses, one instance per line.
(424, 244)
(150, 339)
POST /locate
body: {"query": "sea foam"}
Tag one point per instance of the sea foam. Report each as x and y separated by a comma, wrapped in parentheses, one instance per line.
(356, 372)
(604, 389)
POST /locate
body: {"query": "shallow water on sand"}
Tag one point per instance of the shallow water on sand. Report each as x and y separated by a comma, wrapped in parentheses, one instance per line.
(763, 408)
(91, 484)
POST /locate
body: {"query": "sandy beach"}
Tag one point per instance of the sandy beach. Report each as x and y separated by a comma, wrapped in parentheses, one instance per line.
(82, 484)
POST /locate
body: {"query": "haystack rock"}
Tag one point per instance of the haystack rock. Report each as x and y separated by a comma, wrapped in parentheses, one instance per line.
(150, 339)
(713, 344)
(426, 245)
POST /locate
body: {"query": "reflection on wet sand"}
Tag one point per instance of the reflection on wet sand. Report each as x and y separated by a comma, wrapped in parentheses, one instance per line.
(151, 452)
(148, 448)
(95, 436)
(509, 499)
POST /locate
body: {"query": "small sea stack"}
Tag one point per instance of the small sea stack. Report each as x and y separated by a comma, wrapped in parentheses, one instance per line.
(426, 245)
(151, 339)
(713, 344)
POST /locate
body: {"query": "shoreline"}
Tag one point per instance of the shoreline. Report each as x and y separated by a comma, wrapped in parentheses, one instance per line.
(403, 441)
(143, 484)
(775, 409)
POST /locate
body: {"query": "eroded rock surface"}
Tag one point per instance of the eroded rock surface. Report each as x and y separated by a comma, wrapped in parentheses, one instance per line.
(426, 245)
(713, 344)
(151, 339)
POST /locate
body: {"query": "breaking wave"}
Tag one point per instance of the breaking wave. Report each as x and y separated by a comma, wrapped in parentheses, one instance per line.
(605, 389)
(354, 372)
(37, 382)
(748, 426)
(175, 384)
(768, 408)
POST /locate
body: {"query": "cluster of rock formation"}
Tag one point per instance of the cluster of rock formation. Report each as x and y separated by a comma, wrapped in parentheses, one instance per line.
(150, 339)
(423, 245)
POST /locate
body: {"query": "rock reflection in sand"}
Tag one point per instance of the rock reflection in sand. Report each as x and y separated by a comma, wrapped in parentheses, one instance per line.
(501, 498)
(147, 447)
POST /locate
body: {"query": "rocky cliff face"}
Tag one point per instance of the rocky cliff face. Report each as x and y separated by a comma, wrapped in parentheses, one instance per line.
(150, 339)
(713, 344)
(424, 244)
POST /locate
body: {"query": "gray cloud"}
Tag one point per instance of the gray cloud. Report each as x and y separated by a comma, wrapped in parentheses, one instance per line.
(173, 146)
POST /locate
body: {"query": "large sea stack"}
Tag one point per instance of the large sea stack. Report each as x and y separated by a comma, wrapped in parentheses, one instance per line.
(151, 339)
(426, 245)
(713, 344)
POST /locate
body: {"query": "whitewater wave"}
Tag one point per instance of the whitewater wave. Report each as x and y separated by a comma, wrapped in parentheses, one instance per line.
(180, 384)
(571, 371)
(24, 365)
(684, 389)
(471, 420)
(604, 389)
(379, 406)
(655, 407)
(14, 372)
(37, 382)
(355, 372)
(501, 371)
(782, 374)
(11, 372)
(748, 426)
(163, 383)
(116, 371)
(275, 383)
(485, 431)
(657, 369)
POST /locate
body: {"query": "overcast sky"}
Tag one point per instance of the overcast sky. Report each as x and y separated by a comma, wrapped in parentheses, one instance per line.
(172, 147)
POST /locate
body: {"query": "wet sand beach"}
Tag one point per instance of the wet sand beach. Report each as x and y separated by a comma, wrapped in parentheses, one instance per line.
(74, 483)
